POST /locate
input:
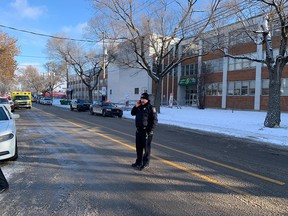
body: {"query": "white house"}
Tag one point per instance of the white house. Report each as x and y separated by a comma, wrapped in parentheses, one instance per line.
(127, 83)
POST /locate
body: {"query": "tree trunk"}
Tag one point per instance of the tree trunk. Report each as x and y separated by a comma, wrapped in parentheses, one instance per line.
(201, 91)
(273, 117)
(158, 92)
(90, 95)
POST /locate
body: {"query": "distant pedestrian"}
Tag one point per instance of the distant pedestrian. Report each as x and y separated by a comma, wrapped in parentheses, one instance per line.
(3, 182)
(146, 120)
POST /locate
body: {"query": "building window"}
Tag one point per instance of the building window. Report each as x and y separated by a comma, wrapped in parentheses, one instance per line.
(213, 42)
(183, 70)
(237, 88)
(110, 91)
(231, 88)
(240, 36)
(231, 64)
(246, 63)
(136, 91)
(265, 87)
(190, 50)
(215, 65)
(284, 87)
(240, 64)
(194, 69)
(214, 89)
(220, 89)
(243, 88)
(251, 87)
(189, 69)
(175, 71)
(208, 89)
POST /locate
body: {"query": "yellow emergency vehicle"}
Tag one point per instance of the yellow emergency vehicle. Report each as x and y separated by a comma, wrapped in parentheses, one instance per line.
(22, 99)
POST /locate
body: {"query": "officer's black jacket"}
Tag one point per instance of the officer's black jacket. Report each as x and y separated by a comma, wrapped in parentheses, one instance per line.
(146, 116)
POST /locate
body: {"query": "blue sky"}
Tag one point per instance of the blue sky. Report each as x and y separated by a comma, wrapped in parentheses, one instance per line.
(45, 17)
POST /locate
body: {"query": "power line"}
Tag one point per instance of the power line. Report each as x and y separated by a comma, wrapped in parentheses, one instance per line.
(45, 35)
(28, 56)
(221, 14)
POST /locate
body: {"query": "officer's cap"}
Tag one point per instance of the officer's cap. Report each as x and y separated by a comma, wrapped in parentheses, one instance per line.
(145, 96)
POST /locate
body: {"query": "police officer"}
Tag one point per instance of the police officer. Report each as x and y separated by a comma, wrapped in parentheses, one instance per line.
(146, 120)
(3, 182)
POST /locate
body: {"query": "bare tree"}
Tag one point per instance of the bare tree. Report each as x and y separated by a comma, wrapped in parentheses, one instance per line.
(150, 32)
(86, 64)
(31, 79)
(259, 20)
(56, 75)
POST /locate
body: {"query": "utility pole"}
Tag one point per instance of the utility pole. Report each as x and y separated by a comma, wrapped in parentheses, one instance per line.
(104, 69)
(104, 87)
(68, 89)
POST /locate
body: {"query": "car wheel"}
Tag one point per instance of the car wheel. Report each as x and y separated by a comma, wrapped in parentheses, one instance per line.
(16, 153)
(78, 108)
(91, 111)
(120, 116)
(71, 108)
(103, 113)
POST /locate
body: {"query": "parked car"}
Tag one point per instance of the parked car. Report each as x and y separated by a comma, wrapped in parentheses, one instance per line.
(79, 104)
(34, 99)
(38, 99)
(106, 109)
(46, 101)
(8, 136)
(11, 104)
(5, 102)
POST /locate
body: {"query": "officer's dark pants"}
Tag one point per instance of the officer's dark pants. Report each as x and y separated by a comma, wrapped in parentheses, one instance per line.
(3, 181)
(143, 144)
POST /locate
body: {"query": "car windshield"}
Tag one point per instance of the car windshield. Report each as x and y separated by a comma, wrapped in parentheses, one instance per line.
(47, 98)
(3, 115)
(83, 101)
(21, 97)
(4, 101)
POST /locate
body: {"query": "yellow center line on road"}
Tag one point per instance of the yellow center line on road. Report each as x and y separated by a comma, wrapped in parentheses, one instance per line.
(226, 166)
(201, 176)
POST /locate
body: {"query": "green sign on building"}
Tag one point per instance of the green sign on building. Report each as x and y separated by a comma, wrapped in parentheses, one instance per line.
(187, 81)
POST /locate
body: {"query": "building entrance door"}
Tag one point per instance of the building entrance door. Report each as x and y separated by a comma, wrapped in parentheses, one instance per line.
(191, 95)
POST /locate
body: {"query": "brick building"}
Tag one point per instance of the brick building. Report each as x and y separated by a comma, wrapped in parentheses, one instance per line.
(228, 83)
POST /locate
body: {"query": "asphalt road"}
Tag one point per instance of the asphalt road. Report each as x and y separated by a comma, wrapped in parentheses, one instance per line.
(73, 163)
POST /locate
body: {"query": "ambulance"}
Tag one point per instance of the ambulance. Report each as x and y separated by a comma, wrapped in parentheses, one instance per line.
(22, 99)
